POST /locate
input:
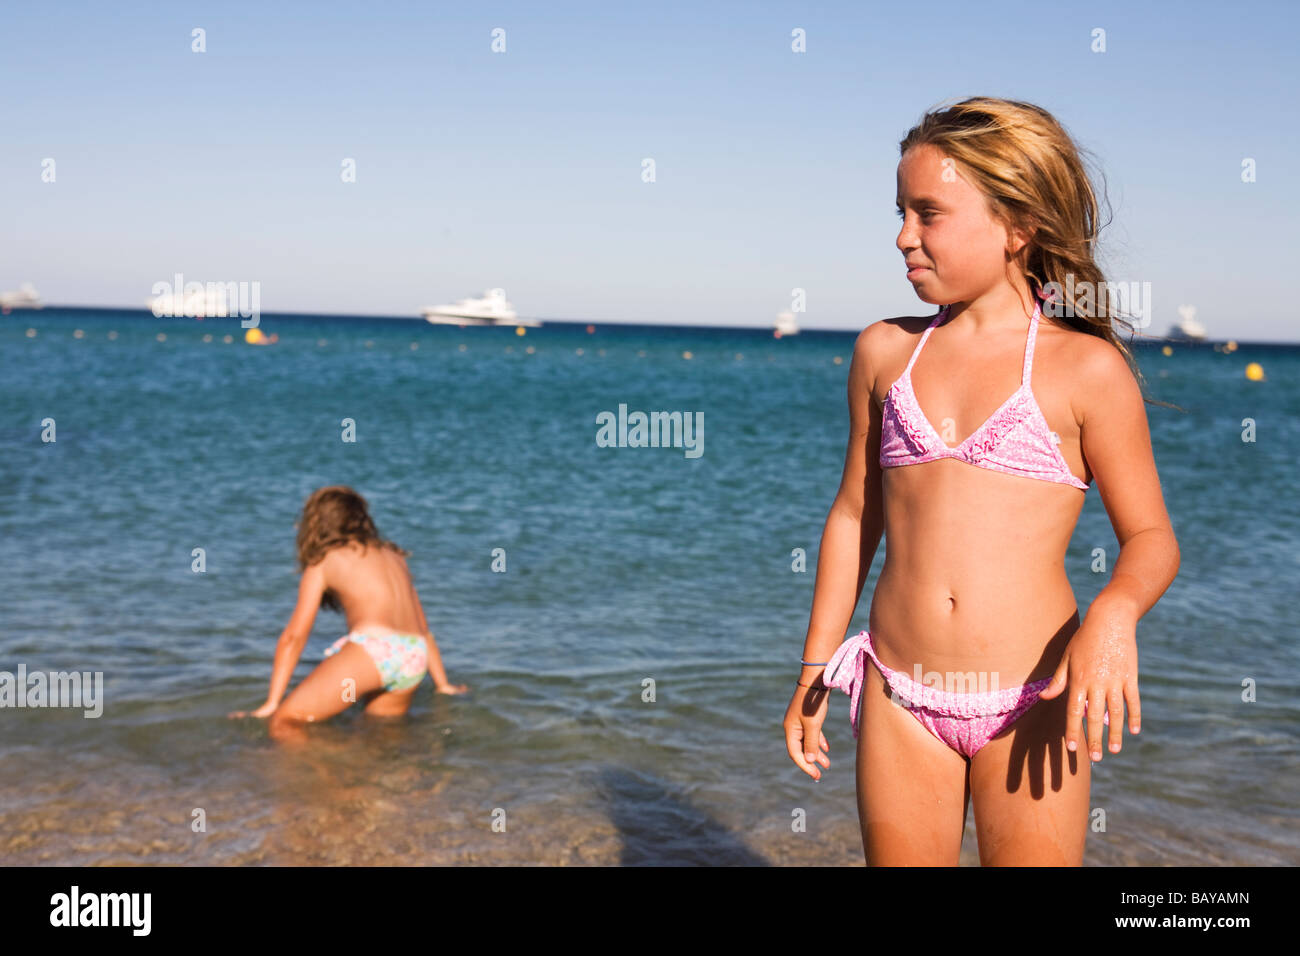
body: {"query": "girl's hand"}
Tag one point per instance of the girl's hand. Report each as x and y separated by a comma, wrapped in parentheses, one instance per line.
(1101, 664)
(266, 710)
(803, 724)
(451, 689)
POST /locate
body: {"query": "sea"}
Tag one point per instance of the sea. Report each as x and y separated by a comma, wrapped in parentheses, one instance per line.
(629, 619)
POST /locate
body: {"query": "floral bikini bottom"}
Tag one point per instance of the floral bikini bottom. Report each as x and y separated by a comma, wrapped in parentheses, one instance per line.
(400, 658)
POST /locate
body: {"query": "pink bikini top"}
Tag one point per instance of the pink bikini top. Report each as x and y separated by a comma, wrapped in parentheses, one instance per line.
(1015, 439)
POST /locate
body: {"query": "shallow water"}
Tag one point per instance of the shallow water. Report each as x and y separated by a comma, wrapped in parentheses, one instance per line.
(622, 565)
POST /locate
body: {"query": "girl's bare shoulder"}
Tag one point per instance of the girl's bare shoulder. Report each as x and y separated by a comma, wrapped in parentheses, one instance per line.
(898, 328)
(1089, 358)
(884, 346)
(346, 556)
(1089, 371)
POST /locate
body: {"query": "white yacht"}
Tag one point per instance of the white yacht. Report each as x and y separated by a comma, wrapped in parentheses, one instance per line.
(25, 298)
(492, 309)
(786, 325)
(1187, 329)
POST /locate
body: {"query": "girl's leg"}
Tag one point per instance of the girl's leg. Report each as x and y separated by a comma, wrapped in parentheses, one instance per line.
(326, 691)
(392, 703)
(912, 787)
(1030, 793)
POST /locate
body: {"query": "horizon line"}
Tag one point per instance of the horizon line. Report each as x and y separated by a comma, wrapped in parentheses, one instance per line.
(572, 321)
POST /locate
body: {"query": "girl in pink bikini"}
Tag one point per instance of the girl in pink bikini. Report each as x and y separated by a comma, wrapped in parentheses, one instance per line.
(976, 677)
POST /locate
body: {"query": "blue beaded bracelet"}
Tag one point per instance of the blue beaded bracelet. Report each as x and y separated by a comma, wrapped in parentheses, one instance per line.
(813, 663)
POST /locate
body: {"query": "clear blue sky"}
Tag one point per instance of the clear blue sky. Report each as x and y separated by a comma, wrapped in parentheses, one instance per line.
(775, 170)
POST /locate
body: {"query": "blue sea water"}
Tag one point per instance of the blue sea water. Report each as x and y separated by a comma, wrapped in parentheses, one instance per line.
(622, 566)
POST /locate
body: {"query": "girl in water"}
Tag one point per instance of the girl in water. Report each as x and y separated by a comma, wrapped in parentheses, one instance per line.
(346, 566)
(974, 631)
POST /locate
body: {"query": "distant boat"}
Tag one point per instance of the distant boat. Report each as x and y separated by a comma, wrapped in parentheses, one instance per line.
(25, 298)
(208, 302)
(492, 309)
(785, 325)
(1187, 329)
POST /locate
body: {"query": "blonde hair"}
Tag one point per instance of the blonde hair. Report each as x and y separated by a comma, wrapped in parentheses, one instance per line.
(332, 517)
(1033, 178)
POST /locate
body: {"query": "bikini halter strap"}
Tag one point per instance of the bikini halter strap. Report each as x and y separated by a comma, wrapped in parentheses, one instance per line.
(1029, 344)
(939, 319)
(925, 335)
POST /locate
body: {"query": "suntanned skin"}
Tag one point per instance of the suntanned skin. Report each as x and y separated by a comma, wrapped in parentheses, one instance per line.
(374, 586)
(974, 575)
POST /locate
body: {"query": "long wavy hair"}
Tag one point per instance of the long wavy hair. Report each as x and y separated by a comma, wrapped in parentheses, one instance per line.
(1033, 178)
(332, 517)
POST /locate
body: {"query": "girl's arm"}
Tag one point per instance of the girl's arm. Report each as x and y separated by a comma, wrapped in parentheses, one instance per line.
(856, 520)
(436, 671)
(293, 638)
(1117, 444)
(1100, 663)
(848, 545)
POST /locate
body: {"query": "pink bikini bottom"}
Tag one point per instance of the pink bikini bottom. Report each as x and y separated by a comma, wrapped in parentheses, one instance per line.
(965, 722)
